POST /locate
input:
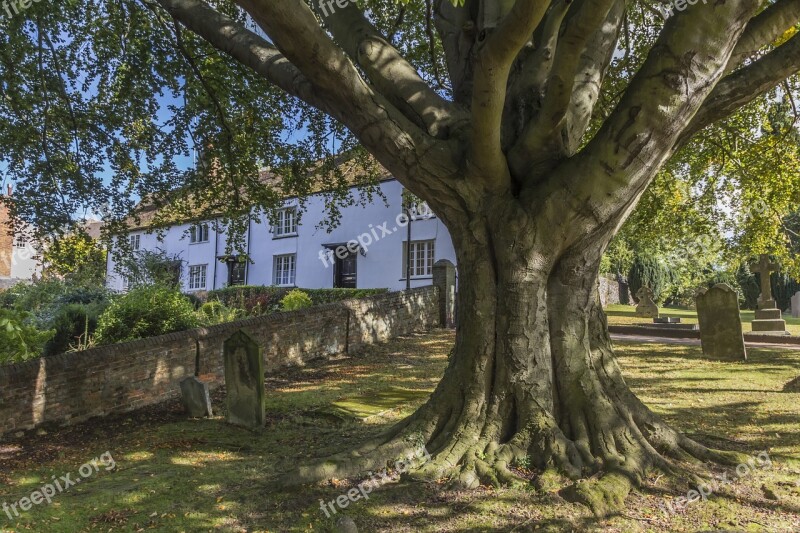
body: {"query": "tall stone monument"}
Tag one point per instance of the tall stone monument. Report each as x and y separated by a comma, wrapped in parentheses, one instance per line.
(244, 381)
(721, 334)
(647, 307)
(768, 316)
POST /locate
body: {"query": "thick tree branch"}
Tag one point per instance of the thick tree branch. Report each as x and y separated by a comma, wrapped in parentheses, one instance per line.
(543, 135)
(390, 73)
(745, 85)
(244, 46)
(680, 72)
(764, 29)
(495, 57)
(457, 31)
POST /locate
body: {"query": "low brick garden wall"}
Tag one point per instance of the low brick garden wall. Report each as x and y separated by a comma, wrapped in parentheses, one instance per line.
(72, 387)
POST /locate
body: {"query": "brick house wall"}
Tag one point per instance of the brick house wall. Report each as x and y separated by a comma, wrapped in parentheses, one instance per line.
(72, 387)
(6, 241)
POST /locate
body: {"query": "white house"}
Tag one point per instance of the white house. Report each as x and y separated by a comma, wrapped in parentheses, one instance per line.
(366, 250)
(20, 258)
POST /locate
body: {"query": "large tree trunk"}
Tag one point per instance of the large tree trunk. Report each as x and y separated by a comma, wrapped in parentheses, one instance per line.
(532, 380)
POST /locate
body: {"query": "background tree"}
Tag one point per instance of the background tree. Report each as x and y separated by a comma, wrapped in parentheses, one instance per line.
(77, 258)
(532, 129)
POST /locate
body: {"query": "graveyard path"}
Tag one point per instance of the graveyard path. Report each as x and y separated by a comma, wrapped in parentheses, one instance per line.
(651, 339)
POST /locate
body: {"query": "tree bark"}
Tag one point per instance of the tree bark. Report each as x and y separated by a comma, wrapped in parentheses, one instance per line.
(533, 381)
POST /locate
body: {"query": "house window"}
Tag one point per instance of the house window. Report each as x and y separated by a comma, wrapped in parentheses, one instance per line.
(21, 241)
(135, 242)
(284, 270)
(286, 222)
(197, 277)
(126, 283)
(198, 233)
(237, 273)
(421, 258)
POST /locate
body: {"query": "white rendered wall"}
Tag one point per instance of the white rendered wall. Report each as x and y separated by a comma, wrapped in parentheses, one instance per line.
(381, 267)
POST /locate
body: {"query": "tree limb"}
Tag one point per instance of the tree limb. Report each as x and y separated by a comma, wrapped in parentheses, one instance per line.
(679, 74)
(745, 85)
(542, 136)
(764, 29)
(495, 57)
(390, 73)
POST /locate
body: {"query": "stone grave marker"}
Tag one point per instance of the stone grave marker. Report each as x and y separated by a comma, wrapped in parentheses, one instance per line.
(768, 316)
(647, 307)
(796, 305)
(196, 398)
(244, 381)
(720, 324)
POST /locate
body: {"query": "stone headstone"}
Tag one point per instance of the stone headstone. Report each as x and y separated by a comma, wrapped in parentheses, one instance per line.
(196, 398)
(244, 381)
(768, 316)
(796, 305)
(647, 307)
(720, 324)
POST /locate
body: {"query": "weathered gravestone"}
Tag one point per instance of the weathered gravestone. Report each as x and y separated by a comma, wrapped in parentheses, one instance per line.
(796, 305)
(647, 307)
(768, 316)
(244, 381)
(720, 325)
(196, 398)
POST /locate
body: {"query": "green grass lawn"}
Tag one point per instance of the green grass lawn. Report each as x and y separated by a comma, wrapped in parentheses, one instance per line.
(626, 314)
(174, 474)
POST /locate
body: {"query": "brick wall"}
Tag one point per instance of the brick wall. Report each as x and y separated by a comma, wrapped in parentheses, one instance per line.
(72, 387)
(6, 242)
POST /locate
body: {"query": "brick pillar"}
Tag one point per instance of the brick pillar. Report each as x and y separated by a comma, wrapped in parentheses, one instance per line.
(444, 277)
(6, 242)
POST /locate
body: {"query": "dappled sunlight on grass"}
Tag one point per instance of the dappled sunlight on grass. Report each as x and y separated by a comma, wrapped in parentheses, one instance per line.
(200, 475)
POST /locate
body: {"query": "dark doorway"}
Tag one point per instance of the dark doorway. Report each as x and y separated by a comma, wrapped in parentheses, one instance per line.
(237, 273)
(344, 272)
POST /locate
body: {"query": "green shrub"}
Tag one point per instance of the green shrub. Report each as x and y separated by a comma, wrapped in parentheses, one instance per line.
(648, 271)
(33, 297)
(296, 299)
(144, 312)
(326, 296)
(257, 300)
(75, 325)
(19, 338)
(215, 312)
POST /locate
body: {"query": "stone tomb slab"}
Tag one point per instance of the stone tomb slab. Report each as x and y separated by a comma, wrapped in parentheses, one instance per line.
(196, 398)
(721, 335)
(244, 381)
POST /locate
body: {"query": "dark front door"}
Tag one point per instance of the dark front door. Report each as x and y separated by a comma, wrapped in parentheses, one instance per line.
(344, 272)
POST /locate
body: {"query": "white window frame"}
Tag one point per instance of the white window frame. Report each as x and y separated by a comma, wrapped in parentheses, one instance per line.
(135, 241)
(421, 263)
(284, 270)
(285, 225)
(199, 233)
(198, 280)
(126, 283)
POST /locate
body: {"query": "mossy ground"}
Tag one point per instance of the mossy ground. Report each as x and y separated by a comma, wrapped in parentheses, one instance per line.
(202, 475)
